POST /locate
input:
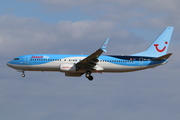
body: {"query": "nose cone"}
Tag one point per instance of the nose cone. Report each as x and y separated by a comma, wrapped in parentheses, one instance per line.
(9, 64)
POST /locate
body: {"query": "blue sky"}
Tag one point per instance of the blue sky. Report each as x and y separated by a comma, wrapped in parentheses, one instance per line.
(36, 10)
(76, 27)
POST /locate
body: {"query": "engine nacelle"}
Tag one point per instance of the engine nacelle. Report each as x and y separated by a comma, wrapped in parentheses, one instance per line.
(68, 67)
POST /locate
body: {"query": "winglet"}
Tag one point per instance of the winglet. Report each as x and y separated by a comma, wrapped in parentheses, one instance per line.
(103, 47)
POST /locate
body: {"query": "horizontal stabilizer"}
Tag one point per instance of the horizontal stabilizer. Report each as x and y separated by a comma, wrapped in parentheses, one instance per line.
(164, 57)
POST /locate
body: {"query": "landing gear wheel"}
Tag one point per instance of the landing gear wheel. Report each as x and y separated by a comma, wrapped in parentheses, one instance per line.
(88, 75)
(90, 78)
(23, 75)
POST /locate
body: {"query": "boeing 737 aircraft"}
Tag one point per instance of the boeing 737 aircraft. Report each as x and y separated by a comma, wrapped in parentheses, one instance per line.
(77, 65)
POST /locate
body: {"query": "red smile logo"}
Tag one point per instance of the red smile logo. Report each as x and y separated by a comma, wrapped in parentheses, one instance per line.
(156, 45)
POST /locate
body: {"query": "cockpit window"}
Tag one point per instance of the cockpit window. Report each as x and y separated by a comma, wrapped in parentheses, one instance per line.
(16, 58)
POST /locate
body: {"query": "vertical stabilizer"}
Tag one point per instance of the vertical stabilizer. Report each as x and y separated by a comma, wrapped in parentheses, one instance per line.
(160, 46)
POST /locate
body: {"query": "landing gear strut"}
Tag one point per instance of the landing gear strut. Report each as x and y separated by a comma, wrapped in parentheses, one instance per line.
(89, 76)
(23, 75)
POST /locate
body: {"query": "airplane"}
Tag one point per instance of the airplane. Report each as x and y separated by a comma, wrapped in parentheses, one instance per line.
(77, 65)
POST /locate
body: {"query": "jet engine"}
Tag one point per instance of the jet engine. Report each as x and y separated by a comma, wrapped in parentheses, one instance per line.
(68, 67)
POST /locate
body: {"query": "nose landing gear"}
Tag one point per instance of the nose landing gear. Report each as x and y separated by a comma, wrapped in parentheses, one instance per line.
(23, 74)
(89, 76)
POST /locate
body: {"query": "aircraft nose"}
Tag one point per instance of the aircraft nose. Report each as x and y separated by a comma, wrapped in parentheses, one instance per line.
(9, 64)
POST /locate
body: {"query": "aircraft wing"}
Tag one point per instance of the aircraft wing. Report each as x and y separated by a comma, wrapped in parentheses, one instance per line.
(89, 62)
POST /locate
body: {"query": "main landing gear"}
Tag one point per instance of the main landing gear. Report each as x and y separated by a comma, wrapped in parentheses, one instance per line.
(89, 76)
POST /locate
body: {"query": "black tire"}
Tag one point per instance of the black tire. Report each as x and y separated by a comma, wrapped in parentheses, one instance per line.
(88, 75)
(23, 75)
(90, 78)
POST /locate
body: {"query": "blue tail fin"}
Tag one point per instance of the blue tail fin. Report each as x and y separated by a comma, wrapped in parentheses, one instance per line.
(160, 46)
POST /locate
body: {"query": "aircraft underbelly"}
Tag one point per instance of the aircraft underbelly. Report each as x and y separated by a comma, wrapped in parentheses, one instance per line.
(42, 67)
(120, 68)
(124, 68)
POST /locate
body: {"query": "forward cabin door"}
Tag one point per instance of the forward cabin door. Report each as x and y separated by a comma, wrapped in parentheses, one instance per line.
(26, 60)
(140, 61)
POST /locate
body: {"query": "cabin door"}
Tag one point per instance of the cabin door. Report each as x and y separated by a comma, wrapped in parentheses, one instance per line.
(26, 60)
(140, 61)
